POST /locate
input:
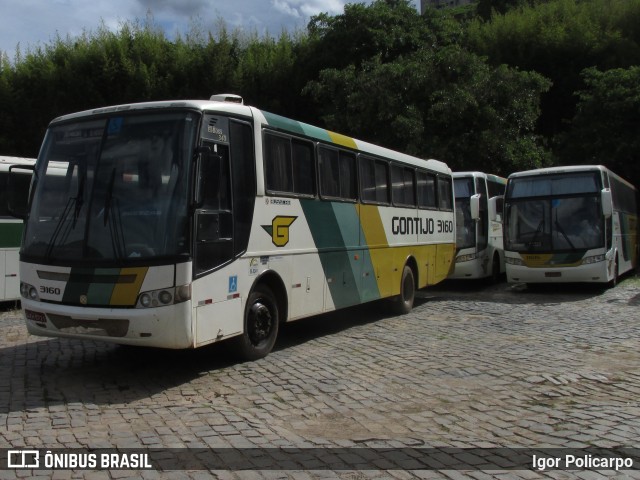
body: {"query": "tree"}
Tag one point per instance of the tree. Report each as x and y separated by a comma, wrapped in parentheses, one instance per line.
(445, 103)
(385, 29)
(606, 125)
(486, 8)
(559, 39)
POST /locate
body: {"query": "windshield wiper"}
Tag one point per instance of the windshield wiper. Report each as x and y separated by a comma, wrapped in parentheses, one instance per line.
(63, 216)
(76, 201)
(535, 235)
(82, 175)
(117, 238)
(561, 230)
(108, 198)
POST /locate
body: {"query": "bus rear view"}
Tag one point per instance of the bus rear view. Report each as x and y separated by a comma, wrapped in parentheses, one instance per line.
(569, 224)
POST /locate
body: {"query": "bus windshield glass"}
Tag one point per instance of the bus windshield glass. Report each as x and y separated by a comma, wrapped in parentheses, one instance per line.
(554, 213)
(465, 225)
(112, 189)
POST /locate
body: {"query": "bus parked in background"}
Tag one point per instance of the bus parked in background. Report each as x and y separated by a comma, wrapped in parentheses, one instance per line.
(11, 228)
(180, 224)
(570, 224)
(479, 201)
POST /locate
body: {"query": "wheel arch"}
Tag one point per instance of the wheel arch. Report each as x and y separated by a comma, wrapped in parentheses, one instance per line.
(413, 265)
(274, 282)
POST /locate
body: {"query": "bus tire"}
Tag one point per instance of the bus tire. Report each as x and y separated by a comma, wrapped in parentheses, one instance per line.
(495, 269)
(261, 320)
(404, 301)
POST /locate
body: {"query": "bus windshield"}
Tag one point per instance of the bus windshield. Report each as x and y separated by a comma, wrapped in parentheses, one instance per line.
(465, 225)
(554, 213)
(112, 189)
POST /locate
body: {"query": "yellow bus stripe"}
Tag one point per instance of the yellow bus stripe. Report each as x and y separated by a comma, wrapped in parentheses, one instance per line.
(127, 293)
(342, 140)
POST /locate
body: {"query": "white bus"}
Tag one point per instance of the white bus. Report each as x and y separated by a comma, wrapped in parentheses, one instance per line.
(570, 224)
(179, 224)
(479, 202)
(10, 227)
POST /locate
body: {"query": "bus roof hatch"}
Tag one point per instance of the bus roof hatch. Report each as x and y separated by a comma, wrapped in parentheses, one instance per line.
(227, 97)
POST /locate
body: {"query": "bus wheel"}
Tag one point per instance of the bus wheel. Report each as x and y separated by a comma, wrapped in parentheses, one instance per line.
(260, 324)
(404, 301)
(495, 269)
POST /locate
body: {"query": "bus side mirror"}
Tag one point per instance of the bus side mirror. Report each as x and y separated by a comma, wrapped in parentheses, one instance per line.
(475, 206)
(607, 202)
(496, 205)
(18, 183)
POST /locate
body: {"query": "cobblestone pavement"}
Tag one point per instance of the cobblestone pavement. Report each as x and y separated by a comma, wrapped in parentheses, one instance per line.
(471, 366)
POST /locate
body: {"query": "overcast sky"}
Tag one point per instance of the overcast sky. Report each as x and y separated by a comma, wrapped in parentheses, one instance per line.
(30, 23)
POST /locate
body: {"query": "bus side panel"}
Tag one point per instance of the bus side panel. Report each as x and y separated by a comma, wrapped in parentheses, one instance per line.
(341, 254)
(625, 230)
(3, 279)
(217, 320)
(336, 232)
(308, 286)
(374, 239)
(11, 277)
(10, 239)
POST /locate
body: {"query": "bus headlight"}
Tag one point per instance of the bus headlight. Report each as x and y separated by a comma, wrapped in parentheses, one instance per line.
(164, 296)
(593, 259)
(513, 261)
(29, 291)
(466, 258)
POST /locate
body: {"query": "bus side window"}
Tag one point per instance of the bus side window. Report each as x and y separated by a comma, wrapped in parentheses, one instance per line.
(278, 163)
(215, 173)
(303, 168)
(329, 172)
(444, 193)
(289, 165)
(348, 178)
(403, 185)
(214, 221)
(244, 183)
(426, 190)
(375, 180)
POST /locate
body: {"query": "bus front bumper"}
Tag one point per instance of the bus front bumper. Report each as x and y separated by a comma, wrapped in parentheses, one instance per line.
(165, 326)
(590, 273)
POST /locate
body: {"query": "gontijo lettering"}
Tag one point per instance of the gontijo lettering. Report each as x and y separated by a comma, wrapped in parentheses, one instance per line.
(417, 225)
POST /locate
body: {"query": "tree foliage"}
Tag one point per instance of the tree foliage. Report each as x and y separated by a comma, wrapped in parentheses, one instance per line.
(521, 84)
(445, 103)
(605, 128)
(559, 39)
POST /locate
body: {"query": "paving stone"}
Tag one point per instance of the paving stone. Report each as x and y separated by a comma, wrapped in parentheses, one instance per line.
(470, 366)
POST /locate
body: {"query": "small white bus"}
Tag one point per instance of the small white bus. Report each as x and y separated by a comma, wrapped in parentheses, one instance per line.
(479, 243)
(570, 224)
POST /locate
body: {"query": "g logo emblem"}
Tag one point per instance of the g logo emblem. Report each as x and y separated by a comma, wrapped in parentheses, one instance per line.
(279, 229)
